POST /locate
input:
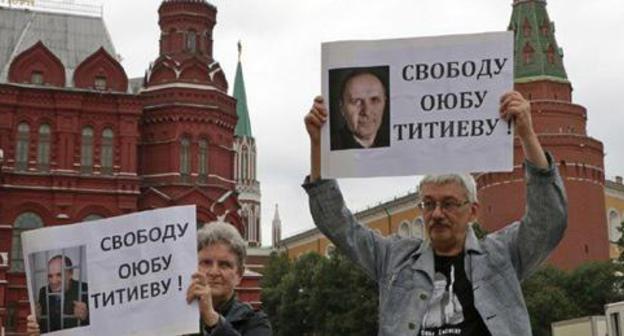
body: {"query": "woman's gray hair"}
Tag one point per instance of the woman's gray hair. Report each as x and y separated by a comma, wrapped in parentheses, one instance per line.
(224, 233)
(466, 181)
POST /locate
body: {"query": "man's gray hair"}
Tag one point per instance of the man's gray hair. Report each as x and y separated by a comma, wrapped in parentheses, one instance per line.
(225, 233)
(466, 181)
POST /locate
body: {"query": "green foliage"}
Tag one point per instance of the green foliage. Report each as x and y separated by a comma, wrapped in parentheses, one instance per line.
(595, 284)
(620, 242)
(547, 300)
(319, 296)
(332, 296)
(553, 295)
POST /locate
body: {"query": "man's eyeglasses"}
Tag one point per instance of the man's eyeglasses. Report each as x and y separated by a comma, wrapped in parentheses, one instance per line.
(445, 205)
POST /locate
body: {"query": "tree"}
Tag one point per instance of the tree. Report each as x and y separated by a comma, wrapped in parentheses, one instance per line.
(547, 299)
(553, 295)
(319, 296)
(594, 284)
(620, 242)
(279, 265)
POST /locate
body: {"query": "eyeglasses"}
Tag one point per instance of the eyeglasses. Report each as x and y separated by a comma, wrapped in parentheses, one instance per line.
(445, 205)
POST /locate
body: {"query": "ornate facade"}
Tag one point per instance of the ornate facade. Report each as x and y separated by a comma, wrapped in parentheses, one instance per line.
(81, 141)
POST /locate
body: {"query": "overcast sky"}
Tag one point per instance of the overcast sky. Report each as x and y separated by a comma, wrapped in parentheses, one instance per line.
(281, 62)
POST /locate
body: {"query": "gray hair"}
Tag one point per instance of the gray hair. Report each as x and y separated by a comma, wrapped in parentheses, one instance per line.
(224, 233)
(466, 181)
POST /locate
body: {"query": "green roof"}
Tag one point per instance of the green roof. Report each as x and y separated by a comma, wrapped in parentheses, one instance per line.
(537, 54)
(243, 127)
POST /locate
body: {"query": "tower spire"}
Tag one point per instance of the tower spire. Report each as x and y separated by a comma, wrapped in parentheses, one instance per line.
(243, 126)
(277, 227)
(537, 55)
(240, 50)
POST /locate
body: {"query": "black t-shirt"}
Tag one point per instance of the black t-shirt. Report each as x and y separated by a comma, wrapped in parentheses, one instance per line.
(451, 310)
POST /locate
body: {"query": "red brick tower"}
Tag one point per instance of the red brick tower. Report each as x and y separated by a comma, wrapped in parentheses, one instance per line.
(187, 128)
(561, 125)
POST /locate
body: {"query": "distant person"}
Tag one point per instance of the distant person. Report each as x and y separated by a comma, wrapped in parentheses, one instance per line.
(62, 287)
(363, 105)
(221, 256)
(452, 283)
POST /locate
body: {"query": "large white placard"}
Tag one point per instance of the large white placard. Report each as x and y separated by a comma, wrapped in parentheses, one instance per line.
(133, 270)
(430, 104)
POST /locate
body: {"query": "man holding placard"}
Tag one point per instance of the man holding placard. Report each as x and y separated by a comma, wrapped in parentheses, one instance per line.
(452, 284)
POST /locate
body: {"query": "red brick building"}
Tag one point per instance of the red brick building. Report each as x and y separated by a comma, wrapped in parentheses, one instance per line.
(82, 141)
(561, 125)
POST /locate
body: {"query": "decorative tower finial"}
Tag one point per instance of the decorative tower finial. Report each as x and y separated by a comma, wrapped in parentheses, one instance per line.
(240, 50)
(277, 227)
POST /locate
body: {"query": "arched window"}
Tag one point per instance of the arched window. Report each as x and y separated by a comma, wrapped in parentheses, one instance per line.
(417, 228)
(22, 144)
(191, 41)
(43, 148)
(330, 250)
(106, 154)
(24, 222)
(404, 230)
(92, 217)
(203, 160)
(185, 158)
(244, 163)
(86, 151)
(100, 83)
(614, 224)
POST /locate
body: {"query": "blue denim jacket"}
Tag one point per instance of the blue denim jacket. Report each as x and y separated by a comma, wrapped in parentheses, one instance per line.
(403, 268)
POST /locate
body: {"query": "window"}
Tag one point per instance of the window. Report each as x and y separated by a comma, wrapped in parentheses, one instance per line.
(527, 53)
(417, 228)
(404, 230)
(185, 158)
(24, 222)
(106, 154)
(11, 324)
(43, 148)
(244, 163)
(100, 83)
(21, 150)
(191, 41)
(92, 217)
(86, 151)
(614, 224)
(526, 28)
(330, 250)
(36, 78)
(203, 160)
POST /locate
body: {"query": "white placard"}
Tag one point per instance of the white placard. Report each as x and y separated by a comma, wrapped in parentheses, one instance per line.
(135, 270)
(438, 110)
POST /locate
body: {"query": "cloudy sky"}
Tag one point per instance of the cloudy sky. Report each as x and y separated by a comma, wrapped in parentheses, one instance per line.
(281, 62)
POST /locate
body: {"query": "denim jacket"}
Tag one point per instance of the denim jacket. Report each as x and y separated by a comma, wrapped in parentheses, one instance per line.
(404, 268)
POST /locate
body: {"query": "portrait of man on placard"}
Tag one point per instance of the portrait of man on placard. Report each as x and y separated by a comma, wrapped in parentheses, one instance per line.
(60, 284)
(359, 110)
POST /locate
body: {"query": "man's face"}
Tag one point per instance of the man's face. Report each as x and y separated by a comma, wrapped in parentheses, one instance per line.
(55, 278)
(447, 228)
(220, 265)
(363, 104)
